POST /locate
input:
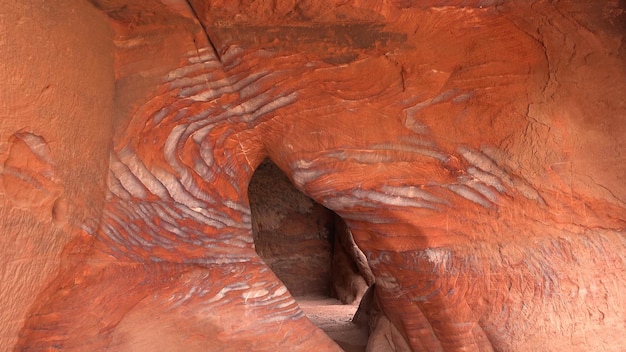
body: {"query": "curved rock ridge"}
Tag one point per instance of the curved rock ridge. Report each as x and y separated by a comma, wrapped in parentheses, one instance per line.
(176, 221)
(464, 143)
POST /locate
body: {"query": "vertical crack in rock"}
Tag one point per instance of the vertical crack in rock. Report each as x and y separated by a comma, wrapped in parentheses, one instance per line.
(204, 30)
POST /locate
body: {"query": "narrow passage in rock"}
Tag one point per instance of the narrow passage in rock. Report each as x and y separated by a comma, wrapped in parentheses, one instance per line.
(335, 319)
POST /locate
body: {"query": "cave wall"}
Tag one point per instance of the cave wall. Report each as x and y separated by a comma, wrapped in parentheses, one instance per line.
(306, 245)
(474, 148)
(56, 108)
(292, 233)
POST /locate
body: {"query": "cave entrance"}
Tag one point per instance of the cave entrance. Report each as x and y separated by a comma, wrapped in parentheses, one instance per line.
(312, 252)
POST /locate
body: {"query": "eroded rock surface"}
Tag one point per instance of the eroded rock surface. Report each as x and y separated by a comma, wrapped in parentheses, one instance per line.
(473, 149)
(351, 274)
(292, 233)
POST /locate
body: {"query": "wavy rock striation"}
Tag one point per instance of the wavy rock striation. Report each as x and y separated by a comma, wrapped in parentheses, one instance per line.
(473, 149)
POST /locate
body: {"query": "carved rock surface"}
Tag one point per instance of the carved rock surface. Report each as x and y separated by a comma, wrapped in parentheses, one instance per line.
(292, 233)
(473, 148)
(351, 274)
(306, 245)
(55, 121)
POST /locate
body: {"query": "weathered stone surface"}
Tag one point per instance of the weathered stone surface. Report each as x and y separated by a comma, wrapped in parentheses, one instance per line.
(56, 104)
(291, 233)
(351, 275)
(474, 149)
(306, 245)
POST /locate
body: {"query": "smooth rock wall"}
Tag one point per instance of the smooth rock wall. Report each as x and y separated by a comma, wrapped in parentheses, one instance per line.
(56, 107)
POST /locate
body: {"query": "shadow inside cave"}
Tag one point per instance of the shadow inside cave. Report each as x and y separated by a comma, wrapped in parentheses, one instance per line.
(335, 319)
(311, 250)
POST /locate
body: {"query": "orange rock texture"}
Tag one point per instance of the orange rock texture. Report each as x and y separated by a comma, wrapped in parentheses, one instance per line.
(292, 234)
(474, 148)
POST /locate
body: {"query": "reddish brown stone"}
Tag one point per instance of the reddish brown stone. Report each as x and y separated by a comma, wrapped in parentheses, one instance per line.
(292, 233)
(474, 149)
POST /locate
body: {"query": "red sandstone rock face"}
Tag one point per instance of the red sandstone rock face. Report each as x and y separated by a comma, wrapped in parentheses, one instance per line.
(291, 233)
(351, 274)
(473, 148)
(306, 245)
(55, 123)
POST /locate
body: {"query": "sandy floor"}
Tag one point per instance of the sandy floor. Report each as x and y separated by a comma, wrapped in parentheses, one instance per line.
(335, 319)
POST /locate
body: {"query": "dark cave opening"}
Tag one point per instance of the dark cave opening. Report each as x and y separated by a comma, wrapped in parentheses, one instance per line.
(311, 250)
